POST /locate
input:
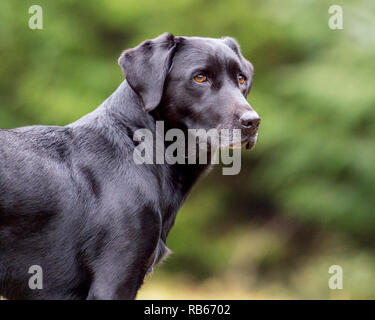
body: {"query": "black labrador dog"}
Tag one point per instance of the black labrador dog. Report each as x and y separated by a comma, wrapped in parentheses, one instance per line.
(72, 199)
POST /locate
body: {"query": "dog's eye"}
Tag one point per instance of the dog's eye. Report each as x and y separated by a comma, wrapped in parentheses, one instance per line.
(241, 79)
(200, 78)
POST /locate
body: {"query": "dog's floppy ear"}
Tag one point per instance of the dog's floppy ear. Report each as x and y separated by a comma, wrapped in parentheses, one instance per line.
(146, 66)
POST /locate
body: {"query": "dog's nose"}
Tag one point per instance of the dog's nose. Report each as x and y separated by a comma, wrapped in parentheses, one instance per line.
(250, 120)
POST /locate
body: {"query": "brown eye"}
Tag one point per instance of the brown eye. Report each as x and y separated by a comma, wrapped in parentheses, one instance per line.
(200, 78)
(241, 79)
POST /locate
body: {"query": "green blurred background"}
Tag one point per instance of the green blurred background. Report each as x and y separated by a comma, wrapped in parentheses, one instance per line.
(304, 199)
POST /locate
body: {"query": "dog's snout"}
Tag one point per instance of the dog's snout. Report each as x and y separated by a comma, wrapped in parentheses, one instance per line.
(250, 120)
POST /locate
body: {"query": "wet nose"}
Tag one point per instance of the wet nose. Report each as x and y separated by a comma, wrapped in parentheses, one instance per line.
(250, 120)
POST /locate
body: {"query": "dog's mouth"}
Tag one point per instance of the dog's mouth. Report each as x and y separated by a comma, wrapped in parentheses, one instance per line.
(248, 143)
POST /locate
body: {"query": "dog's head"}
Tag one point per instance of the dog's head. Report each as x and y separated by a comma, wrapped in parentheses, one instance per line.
(195, 83)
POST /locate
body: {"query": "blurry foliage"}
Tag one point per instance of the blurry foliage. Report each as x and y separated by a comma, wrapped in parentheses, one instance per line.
(304, 199)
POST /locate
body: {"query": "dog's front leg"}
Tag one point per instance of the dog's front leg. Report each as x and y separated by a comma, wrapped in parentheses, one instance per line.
(120, 270)
(120, 273)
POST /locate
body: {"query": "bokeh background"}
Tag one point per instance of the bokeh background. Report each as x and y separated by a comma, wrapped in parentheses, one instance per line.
(304, 199)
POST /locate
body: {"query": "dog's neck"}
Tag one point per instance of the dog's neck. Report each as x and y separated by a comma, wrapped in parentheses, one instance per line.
(120, 116)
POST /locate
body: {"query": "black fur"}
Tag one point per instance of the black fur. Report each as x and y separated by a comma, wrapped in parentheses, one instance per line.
(73, 201)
